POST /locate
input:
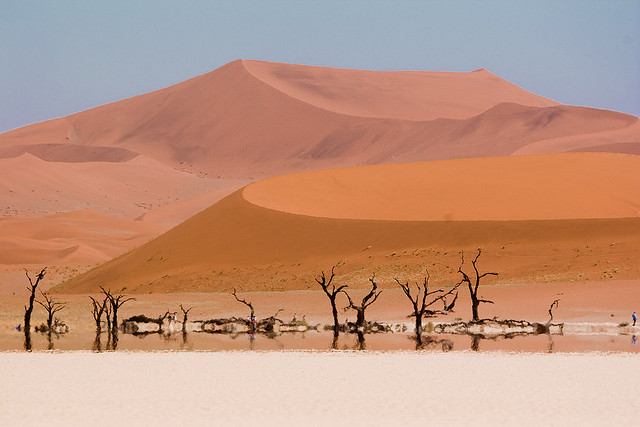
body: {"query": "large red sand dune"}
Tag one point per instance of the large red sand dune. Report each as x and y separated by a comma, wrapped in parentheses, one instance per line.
(80, 237)
(260, 119)
(166, 155)
(242, 244)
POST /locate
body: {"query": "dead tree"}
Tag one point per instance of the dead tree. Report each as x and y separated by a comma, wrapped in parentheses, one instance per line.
(419, 301)
(52, 307)
(546, 328)
(114, 302)
(331, 294)
(29, 309)
(185, 313)
(554, 304)
(97, 312)
(473, 285)
(252, 318)
(160, 321)
(369, 299)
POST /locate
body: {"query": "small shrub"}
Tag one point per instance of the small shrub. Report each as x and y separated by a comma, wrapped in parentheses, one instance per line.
(429, 327)
(623, 324)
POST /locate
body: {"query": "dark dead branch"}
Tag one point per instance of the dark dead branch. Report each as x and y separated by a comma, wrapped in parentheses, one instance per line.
(28, 309)
(252, 318)
(368, 299)
(52, 307)
(473, 284)
(331, 294)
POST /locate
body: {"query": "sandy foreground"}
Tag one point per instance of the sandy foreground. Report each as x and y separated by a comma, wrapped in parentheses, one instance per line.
(318, 388)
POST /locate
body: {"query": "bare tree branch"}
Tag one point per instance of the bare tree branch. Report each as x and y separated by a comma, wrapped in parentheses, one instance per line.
(369, 299)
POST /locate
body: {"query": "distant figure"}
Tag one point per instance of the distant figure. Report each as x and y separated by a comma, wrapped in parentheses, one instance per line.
(634, 317)
(633, 340)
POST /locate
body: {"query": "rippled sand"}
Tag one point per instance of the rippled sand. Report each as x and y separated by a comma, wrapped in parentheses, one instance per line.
(318, 388)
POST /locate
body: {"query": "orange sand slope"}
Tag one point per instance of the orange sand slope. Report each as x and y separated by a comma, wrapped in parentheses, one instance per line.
(32, 187)
(563, 186)
(81, 237)
(238, 243)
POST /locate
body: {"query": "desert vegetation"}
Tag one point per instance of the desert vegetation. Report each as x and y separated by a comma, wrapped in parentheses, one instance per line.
(421, 296)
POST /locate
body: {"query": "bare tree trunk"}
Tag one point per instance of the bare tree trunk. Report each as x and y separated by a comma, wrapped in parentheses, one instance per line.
(185, 313)
(29, 309)
(331, 294)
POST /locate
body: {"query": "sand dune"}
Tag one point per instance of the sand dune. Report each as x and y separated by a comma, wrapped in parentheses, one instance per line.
(33, 187)
(407, 95)
(258, 119)
(81, 237)
(237, 243)
(163, 156)
(562, 186)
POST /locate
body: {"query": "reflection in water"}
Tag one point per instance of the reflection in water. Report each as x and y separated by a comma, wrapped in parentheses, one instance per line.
(317, 340)
(551, 347)
(334, 342)
(475, 342)
(361, 345)
(97, 345)
(429, 342)
(50, 340)
(27, 339)
(112, 339)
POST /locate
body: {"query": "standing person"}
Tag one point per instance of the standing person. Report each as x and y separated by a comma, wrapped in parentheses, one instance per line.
(634, 317)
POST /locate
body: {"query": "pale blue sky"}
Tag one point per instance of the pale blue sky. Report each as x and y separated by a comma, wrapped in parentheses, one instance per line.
(60, 57)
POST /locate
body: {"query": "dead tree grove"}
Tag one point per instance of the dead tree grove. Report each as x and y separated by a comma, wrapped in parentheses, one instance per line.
(331, 294)
(473, 284)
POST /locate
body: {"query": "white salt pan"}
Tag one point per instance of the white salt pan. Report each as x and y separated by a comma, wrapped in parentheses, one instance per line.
(319, 388)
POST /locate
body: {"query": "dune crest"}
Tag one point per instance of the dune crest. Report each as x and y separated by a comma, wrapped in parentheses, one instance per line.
(560, 186)
(406, 95)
